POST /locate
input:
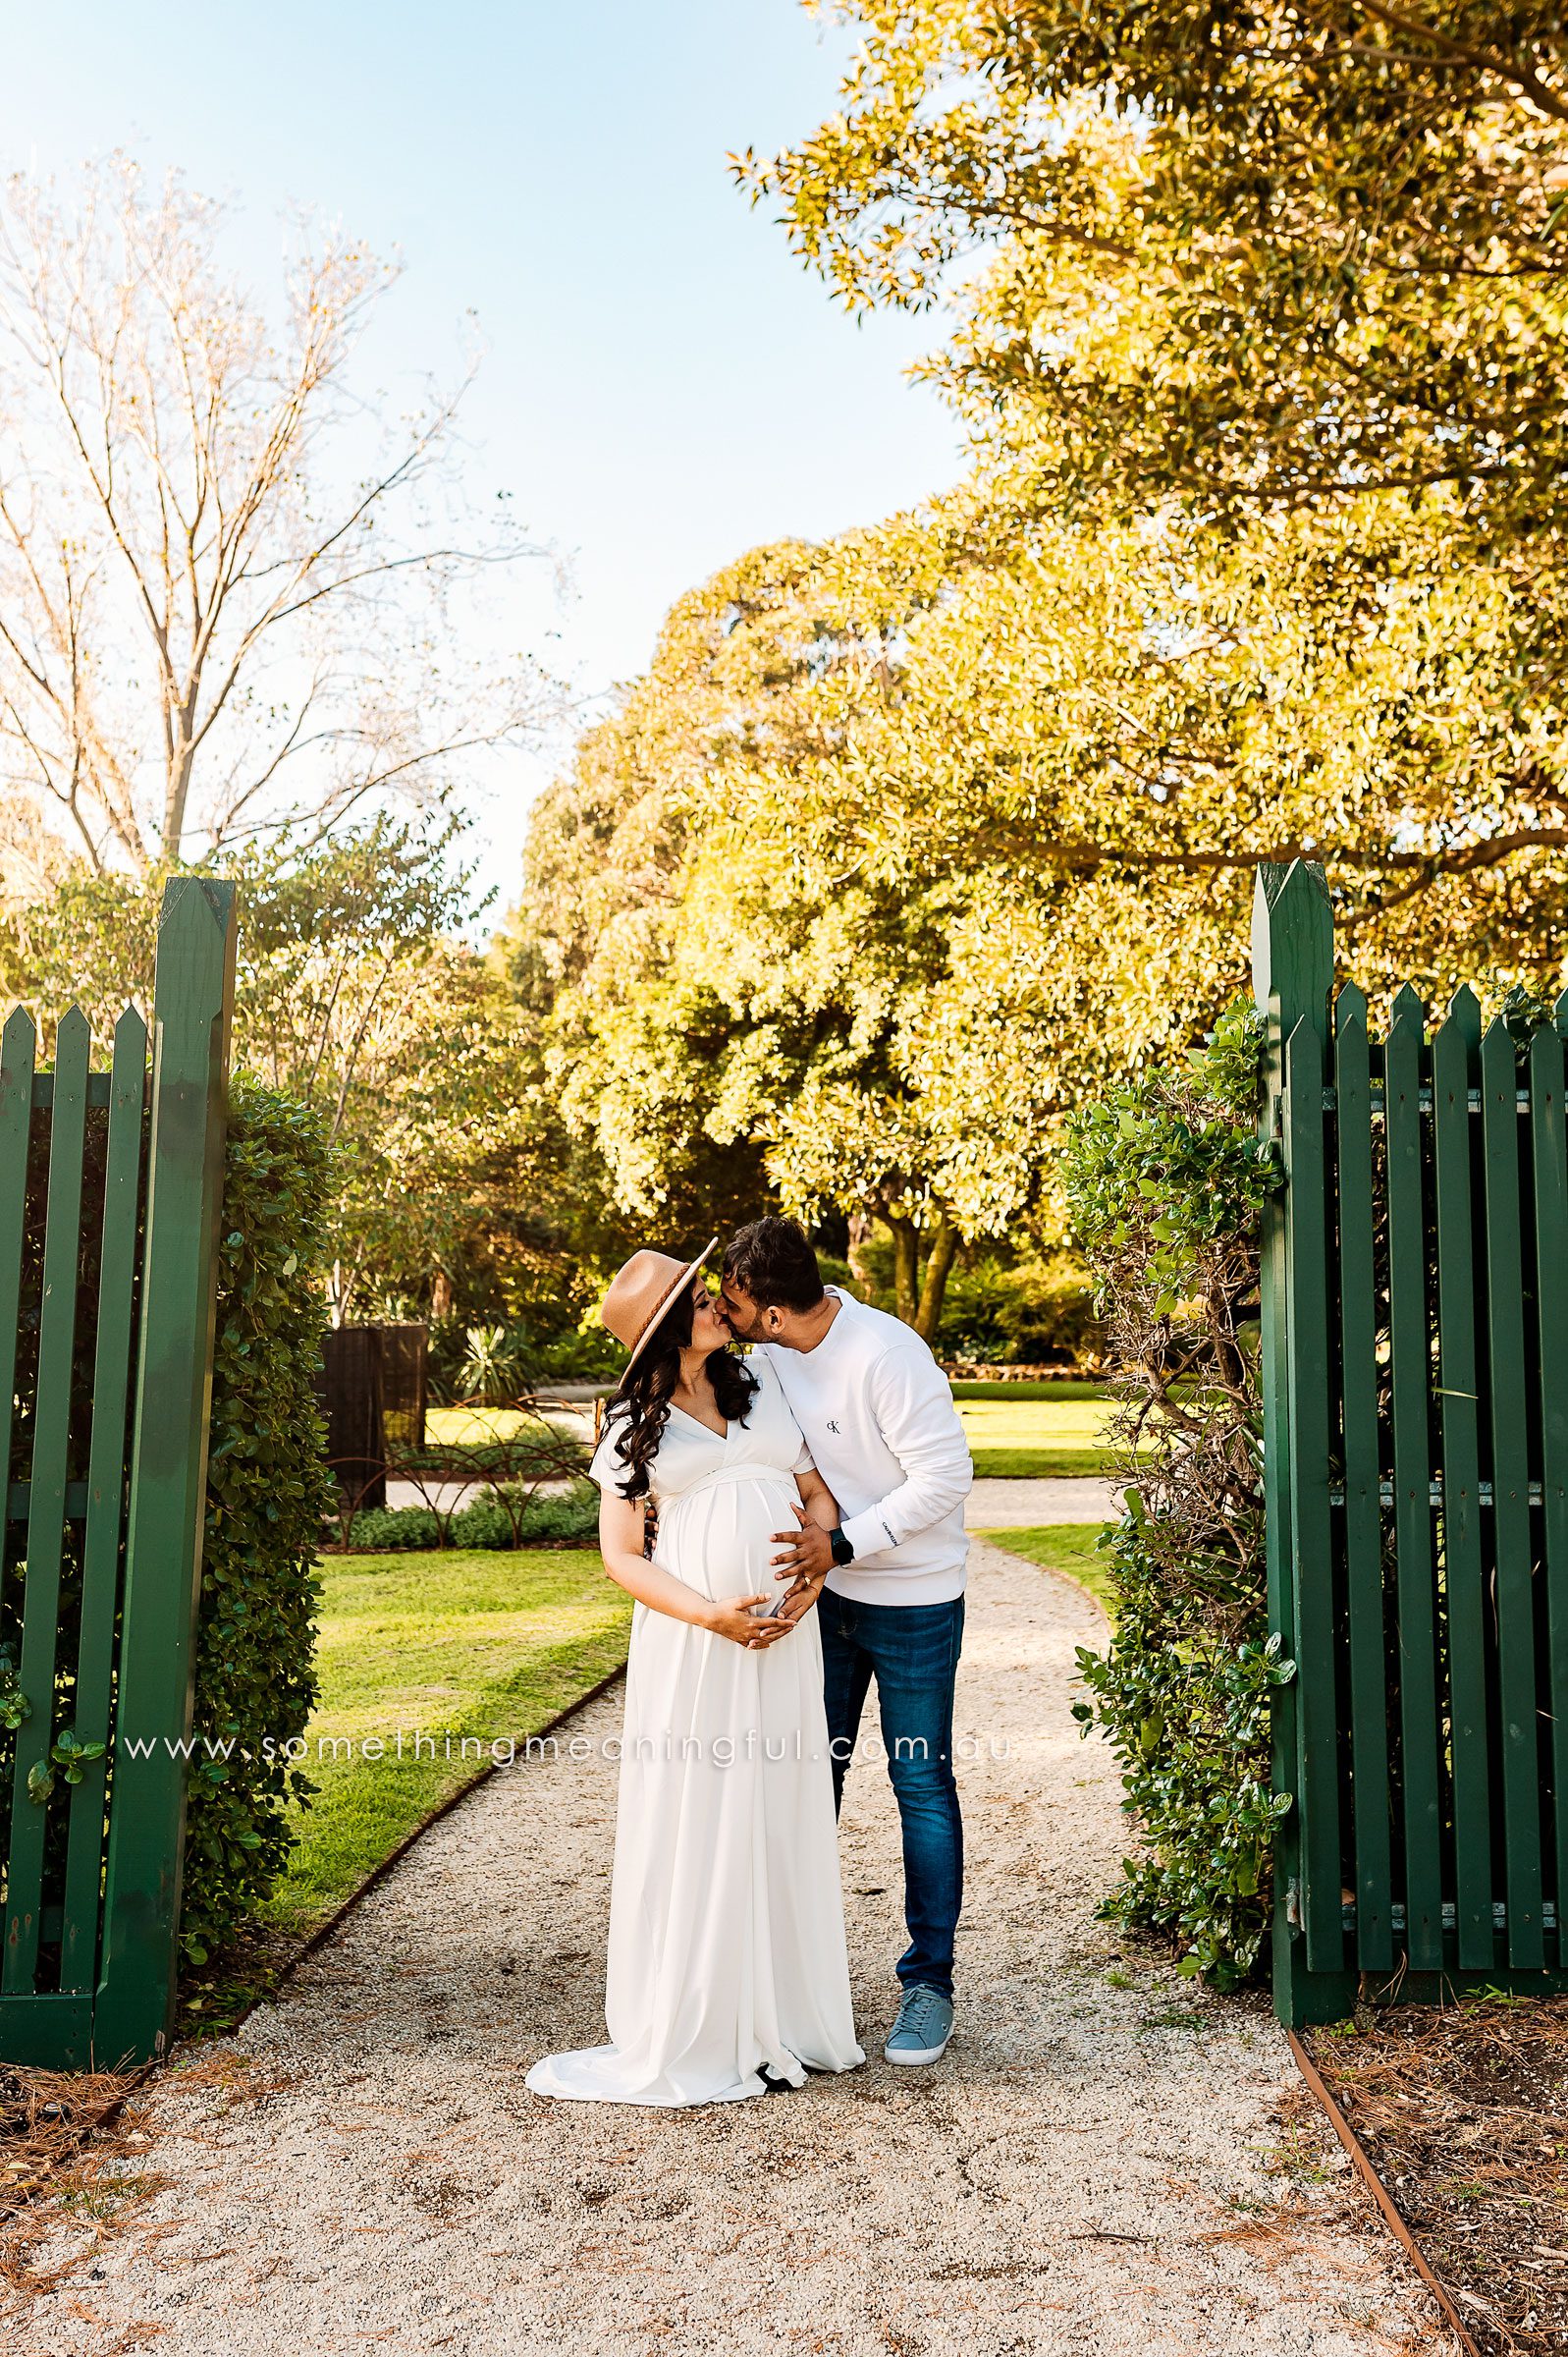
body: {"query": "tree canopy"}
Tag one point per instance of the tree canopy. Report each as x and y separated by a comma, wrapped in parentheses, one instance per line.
(1252, 251)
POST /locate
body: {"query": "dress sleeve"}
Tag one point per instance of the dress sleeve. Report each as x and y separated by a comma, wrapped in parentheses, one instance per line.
(605, 1466)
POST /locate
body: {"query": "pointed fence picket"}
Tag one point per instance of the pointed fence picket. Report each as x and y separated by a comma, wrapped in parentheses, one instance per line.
(1415, 1320)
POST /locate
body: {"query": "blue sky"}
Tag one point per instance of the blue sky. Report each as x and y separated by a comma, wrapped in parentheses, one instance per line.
(666, 385)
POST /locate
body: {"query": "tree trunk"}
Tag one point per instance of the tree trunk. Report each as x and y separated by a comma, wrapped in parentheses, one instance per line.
(860, 1237)
(938, 1265)
(906, 1268)
(440, 1294)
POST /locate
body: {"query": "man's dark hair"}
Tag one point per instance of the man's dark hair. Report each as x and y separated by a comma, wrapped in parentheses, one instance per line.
(771, 1260)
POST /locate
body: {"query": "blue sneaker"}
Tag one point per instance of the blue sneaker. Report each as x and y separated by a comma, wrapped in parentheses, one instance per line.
(923, 2027)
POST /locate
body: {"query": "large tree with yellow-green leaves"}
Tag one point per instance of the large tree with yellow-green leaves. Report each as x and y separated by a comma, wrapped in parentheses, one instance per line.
(1254, 251)
(908, 840)
(1289, 281)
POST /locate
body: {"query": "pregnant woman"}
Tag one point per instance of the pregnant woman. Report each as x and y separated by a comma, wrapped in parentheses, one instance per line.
(727, 1972)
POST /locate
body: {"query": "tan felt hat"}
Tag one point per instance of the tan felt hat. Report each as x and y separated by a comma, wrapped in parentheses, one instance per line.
(640, 1294)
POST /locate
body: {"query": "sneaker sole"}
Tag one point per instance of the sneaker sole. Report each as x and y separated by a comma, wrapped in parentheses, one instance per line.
(916, 2054)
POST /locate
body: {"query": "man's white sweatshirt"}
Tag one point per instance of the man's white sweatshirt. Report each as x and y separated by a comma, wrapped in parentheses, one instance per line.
(878, 1416)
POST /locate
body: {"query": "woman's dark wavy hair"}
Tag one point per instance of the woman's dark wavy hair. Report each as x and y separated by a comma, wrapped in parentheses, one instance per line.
(638, 1417)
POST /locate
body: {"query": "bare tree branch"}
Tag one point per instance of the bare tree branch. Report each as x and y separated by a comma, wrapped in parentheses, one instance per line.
(195, 628)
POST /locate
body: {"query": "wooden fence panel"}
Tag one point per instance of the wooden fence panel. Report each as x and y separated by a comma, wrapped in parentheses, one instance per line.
(1548, 1144)
(192, 1012)
(1512, 1588)
(1307, 1311)
(18, 1053)
(110, 1190)
(1362, 1473)
(1427, 1719)
(1456, 1069)
(46, 1501)
(106, 1493)
(1410, 1351)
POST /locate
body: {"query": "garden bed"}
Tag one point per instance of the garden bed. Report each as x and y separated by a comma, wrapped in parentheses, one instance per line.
(1462, 2112)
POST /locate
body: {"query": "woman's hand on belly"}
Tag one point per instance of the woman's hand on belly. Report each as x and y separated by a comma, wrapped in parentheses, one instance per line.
(732, 1617)
(800, 1596)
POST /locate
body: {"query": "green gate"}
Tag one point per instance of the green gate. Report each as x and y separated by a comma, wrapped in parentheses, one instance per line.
(1415, 1361)
(110, 1188)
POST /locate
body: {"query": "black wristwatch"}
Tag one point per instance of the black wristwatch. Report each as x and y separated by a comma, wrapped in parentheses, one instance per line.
(842, 1551)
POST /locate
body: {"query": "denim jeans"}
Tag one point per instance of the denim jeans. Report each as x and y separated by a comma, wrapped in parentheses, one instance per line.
(912, 1652)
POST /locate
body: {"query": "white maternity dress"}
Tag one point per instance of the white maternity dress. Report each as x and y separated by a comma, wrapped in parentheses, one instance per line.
(727, 1939)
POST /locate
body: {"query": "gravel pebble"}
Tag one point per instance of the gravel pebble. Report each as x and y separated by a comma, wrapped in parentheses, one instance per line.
(379, 2176)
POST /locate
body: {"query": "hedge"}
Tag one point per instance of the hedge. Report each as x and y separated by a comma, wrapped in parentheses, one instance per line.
(1166, 1178)
(509, 1517)
(268, 1490)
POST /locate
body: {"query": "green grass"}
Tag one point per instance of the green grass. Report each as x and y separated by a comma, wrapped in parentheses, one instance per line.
(1065, 1547)
(1043, 1464)
(1070, 1387)
(452, 1644)
(1037, 1431)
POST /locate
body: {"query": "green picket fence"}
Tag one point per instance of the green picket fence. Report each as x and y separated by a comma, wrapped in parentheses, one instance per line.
(110, 1188)
(1414, 1341)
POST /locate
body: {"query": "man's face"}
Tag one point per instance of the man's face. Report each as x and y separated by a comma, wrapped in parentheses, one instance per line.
(746, 1320)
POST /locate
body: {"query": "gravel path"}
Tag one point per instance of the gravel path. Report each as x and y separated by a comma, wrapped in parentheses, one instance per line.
(994, 1504)
(363, 2167)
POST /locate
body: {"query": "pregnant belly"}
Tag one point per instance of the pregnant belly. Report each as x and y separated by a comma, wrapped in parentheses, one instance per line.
(718, 1540)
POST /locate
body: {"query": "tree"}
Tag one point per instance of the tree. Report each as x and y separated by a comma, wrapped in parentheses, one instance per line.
(1261, 363)
(718, 982)
(356, 992)
(908, 842)
(224, 585)
(1251, 252)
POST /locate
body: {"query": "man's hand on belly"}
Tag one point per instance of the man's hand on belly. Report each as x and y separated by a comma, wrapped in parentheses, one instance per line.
(807, 1552)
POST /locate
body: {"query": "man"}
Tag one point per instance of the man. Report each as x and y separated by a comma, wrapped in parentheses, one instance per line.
(877, 1415)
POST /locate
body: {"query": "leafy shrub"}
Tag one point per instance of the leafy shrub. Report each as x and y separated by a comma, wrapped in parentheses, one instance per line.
(512, 1516)
(508, 1516)
(1033, 1310)
(499, 1365)
(394, 1529)
(267, 1491)
(1025, 1303)
(1166, 1180)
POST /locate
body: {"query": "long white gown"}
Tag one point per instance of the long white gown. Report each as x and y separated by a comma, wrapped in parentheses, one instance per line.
(726, 1937)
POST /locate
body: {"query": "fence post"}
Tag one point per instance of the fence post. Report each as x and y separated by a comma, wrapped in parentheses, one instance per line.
(1292, 968)
(192, 1009)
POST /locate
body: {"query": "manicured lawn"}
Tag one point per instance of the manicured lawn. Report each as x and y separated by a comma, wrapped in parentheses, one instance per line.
(1066, 1386)
(447, 1645)
(1055, 1430)
(470, 1427)
(504, 1439)
(1065, 1547)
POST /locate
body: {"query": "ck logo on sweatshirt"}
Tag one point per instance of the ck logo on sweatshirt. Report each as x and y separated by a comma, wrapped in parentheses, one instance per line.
(831, 1426)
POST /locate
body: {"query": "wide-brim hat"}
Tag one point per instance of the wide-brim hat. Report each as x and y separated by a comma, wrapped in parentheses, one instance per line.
(642, 1293)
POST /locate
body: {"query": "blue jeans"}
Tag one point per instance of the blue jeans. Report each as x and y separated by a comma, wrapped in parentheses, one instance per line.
(912, 1652)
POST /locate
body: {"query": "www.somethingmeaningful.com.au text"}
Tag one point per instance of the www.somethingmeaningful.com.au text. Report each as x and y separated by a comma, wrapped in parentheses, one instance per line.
(414, 1744)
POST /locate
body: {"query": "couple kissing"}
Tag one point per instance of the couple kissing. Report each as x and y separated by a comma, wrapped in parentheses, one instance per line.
(809, 1498)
